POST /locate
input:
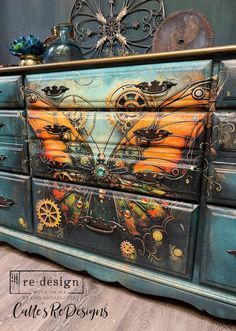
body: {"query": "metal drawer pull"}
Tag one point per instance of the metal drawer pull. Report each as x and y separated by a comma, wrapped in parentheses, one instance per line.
(5, 202)
(98, 225)
(231, 252)
(1, 125)
(2, 157)
(54, 91)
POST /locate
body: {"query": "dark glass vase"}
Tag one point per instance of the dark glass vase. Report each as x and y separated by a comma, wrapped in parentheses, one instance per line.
(64, 47)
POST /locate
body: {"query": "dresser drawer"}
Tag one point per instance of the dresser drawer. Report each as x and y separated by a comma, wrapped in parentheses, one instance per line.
(222, 183)
(227, 84)
(149, 232)
(223, 137)
(10, 92)
(15, 201)
(154, 153)
(13, 156)
(169, 85)
(219, 249)
(12, 123)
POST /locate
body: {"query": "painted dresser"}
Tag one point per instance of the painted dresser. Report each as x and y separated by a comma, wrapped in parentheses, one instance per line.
(126, 168)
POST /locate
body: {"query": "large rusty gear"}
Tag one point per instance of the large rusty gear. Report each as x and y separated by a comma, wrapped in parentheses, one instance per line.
(48, 213)
(184, 29)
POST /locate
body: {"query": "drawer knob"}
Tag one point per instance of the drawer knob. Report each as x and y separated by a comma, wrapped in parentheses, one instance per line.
(5, 202)
(1, 125)
(232, 252)
(2, 157)
(22, 222)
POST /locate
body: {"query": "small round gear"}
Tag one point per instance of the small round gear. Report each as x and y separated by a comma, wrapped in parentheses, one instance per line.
(48, 213)
(127, 248)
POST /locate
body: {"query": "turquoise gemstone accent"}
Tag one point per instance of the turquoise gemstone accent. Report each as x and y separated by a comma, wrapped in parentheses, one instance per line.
(101, 171)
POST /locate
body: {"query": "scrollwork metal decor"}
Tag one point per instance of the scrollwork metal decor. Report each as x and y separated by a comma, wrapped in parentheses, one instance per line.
(111, 27)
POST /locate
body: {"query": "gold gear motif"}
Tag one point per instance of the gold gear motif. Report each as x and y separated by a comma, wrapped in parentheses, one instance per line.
(127, 248)
(127, 96)
(131, 98)
(48, 213)
(64, 176)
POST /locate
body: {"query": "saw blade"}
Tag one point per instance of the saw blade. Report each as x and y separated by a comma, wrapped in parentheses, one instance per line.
(184, 29)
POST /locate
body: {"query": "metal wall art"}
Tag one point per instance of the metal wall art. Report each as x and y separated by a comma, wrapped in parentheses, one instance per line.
(111, 27)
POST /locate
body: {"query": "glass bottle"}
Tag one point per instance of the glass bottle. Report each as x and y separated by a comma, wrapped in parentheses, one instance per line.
(53, 36)
(64, 47)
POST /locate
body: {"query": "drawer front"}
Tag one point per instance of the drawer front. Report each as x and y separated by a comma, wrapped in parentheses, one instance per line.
(12, 123)
(165, 85)
(15, 201)
(223, 138)
(10, 92)
(227, 84)
(14, 156)
(222, 183)
(219, 249)
(154, 153)
(148, 232)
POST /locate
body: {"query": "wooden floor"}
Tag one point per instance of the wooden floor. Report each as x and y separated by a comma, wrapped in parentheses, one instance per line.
(126, 310)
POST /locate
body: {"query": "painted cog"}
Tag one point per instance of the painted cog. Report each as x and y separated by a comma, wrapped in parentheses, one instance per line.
(48, 213)
(63, 176)
(131, 98)
(127, 248)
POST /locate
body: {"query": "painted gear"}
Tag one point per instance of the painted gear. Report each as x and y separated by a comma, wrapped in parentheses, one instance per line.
(131, 98)
(48, 213)
(64, 176)
(127, 248)
(127, 96)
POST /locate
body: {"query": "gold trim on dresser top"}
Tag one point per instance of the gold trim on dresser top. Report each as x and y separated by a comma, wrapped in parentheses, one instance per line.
(225, 51)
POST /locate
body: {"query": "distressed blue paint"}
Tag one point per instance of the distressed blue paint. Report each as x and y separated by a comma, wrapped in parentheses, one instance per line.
(16, 155)
(220, 235)
(97, 87)
(10, 92)
(12, 124)
(16, 188)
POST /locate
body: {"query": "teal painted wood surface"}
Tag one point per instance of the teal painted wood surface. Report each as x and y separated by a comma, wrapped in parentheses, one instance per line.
(155, 233)
(15, 201)
(227, 95)
(224, 177)
(13, 124)
(165, 85)
(219, 266)
(204, 298)
(10, 92)
(14, 155)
